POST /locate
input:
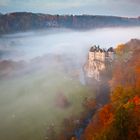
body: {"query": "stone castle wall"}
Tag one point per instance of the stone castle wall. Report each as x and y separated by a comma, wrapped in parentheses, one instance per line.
(97, 59)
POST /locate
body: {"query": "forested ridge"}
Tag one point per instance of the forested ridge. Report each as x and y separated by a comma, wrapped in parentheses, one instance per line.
(24, 21)
(120, 118)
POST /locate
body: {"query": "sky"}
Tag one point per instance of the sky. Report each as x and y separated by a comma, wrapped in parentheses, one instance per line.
(128, 8)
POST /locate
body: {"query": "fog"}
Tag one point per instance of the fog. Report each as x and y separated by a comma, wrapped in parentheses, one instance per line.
(41, 79)
(32, 44)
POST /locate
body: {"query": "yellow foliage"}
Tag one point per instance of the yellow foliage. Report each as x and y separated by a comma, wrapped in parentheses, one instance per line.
(120, 48)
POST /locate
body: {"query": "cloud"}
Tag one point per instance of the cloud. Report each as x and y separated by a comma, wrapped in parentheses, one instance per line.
(103, 7)
(134, 1)
(51, 4)
(4, 3)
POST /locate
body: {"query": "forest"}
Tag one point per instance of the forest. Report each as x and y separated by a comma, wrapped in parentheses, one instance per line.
(118, 119)
(25, 21)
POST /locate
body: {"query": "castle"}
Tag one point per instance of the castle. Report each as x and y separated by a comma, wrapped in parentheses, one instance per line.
(97, 59)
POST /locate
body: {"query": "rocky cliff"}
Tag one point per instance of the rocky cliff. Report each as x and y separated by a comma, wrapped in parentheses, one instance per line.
(23, 21)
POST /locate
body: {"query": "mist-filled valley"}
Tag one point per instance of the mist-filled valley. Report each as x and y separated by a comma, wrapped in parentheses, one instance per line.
(42, 81)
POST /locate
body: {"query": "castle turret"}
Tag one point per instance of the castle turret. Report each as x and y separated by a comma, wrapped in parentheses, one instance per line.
(111, 53)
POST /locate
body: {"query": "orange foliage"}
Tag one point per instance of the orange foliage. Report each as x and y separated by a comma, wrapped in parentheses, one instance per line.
(134, 112)
(137, 70)
(89, 103)
(92, 129)
(73, 138)
(126, 72)
(132, 103)
(111, 122)
(106, 115)
(120, 48)
(103, 119)
(136, 100)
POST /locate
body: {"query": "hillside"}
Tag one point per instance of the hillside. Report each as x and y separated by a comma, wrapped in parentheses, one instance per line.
(116, 118)
(23, 21)
(119, 119)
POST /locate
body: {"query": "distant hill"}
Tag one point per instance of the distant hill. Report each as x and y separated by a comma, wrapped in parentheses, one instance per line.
(23, 21)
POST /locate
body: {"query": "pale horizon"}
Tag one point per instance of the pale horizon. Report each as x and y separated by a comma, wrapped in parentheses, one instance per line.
(121, 8)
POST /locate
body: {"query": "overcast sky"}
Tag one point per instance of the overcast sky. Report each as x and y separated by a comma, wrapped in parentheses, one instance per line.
(128, 8)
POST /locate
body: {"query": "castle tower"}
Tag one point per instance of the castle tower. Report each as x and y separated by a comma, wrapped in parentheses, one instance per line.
(97, 59)
(91, 56)
(111, 54)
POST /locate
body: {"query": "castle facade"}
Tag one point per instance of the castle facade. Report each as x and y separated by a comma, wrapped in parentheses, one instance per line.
(97, 59)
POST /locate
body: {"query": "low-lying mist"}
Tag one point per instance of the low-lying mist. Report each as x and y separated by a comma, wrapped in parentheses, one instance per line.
(33, 44)
(41, 79)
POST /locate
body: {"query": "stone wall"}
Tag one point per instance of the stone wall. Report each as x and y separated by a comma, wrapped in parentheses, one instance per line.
(96, 63)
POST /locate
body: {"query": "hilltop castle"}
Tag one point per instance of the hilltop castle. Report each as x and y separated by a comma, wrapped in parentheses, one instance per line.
(97, 59)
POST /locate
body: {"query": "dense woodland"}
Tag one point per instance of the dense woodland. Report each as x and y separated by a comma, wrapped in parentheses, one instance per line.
(23, 21)
(120, 118)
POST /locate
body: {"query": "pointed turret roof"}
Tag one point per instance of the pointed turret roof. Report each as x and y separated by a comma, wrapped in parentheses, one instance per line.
(110, 49)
